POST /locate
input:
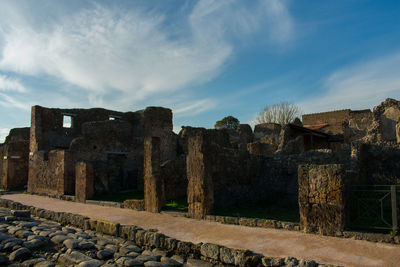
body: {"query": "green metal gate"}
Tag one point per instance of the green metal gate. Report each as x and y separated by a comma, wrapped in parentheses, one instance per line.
(373, 207)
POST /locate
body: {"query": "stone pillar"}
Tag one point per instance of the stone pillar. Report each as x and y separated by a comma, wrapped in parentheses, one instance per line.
(321, 198)
(154, 197)
(398, 132)
(84, 184)
(245, 133)
(199, 173)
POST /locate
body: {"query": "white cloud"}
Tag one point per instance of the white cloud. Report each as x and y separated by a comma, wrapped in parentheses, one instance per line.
(3, 134)
(11, 84)
(135, 54)
(360, 86)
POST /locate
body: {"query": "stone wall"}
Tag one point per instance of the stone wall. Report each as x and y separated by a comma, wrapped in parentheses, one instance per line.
(112, 141)
(334, 119)
(378, 164)
(382, 130)
(14, 155)
(321, 198)
(221, 177)
(173, 172)
(53, 171)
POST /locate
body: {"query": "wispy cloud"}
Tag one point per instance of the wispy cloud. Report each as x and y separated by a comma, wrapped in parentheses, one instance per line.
(194, 107)
(11, 84)
(134, 53)
(360, 86)
(12, 102)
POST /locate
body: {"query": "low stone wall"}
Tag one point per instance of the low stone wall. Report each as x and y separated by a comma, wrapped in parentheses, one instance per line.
(134, 204)
(255, 222)
(151, 239)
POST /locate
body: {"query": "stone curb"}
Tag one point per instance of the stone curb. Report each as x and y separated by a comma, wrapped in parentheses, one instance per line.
(213, 253)
(253, 222)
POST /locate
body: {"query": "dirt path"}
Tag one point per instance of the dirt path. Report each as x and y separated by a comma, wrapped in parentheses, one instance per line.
(270, 242)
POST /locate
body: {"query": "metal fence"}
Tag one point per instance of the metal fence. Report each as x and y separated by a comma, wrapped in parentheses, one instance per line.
(373, 207)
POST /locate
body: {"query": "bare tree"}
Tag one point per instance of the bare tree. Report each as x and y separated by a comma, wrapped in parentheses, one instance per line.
(281, 113)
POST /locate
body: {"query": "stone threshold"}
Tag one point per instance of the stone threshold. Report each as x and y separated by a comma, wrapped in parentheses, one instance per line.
(150, 239)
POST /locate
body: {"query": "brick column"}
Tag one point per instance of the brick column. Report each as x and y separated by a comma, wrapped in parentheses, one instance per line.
(321, 198)
(84, 184)
(154, 197)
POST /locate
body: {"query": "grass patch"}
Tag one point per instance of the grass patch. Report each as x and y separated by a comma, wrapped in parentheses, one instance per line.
(179, 204)
(119, 197)
(263, 210)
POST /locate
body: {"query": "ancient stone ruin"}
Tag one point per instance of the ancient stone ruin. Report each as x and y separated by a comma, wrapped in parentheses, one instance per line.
(87, 152)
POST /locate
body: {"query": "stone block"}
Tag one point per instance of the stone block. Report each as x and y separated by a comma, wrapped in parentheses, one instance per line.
(134, 204)
(103, 226)
(84, 181)
(321, 198)
(210, 251)
(21, 213)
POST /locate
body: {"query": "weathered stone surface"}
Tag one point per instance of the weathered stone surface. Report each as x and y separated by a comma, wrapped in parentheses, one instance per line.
(20, 254)
(134, 204)
(105, 254)
(45, 264)
(198, 263)
(107, 227)
(31, 262)
(21, 213)
(266, 129)
(14, 155)
(200, 190)
(90, 263)
(144, 258)
(321, 198)
(170, 262)
(260, 148)
(154, 264)
(272, 262)
(71, 243)
(74, 258)
(226, 255)
(398, 132)
(84, 183)
(245, 133)
(210, 251)
(58, 239)
(154, 195)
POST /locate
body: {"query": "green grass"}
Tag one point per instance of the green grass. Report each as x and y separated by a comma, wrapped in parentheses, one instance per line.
(179, 204)
(119, 197)
(263, 210)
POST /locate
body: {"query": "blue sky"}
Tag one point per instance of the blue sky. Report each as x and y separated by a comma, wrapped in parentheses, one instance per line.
(203, 59)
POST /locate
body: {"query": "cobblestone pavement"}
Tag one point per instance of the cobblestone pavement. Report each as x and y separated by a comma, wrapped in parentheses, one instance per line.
(32, 242)
(269, 242)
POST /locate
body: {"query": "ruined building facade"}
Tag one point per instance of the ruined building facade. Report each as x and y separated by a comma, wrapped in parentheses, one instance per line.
(83, 152)
(110, 142)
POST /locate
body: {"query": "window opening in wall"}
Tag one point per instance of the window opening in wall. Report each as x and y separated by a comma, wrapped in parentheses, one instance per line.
(67, 121)
(114, 117)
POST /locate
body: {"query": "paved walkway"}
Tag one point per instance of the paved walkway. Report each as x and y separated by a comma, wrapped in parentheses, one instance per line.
(270, 242)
